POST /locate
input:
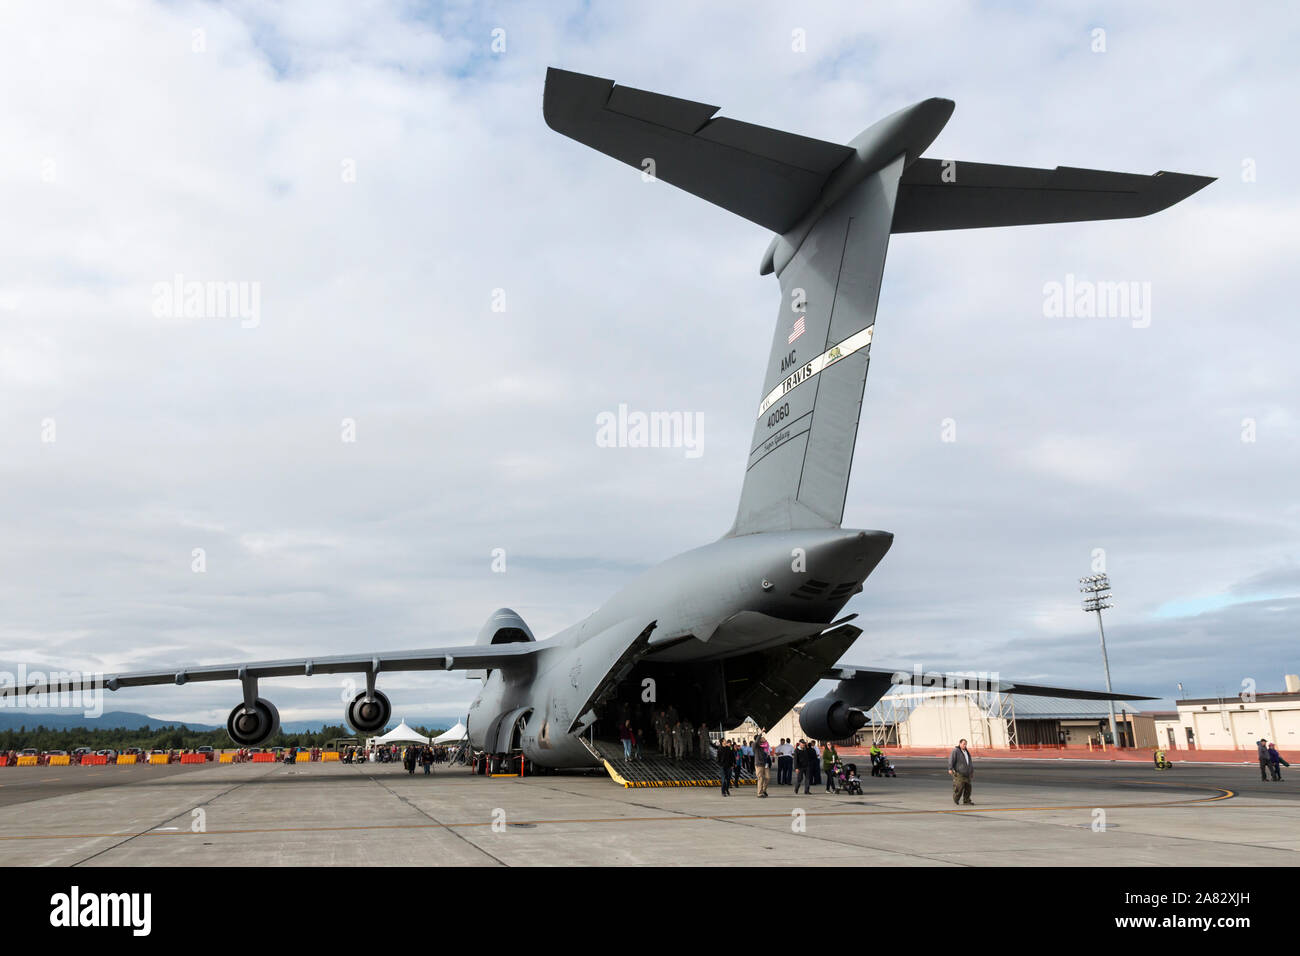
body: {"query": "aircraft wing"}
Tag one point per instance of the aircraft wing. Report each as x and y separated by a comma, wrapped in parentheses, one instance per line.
(860, 683)
(473, 657)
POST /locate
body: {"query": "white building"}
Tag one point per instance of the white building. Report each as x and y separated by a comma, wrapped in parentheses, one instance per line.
(1235, 723)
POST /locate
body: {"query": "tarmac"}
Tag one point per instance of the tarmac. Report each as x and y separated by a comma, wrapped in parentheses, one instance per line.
(1026, 813)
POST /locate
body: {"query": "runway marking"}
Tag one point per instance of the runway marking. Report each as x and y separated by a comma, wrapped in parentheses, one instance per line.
(681, 817)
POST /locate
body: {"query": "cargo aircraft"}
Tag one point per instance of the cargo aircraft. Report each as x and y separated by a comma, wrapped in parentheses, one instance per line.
(747, 625)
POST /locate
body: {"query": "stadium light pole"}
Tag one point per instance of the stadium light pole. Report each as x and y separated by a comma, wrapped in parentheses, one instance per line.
(1096, 591)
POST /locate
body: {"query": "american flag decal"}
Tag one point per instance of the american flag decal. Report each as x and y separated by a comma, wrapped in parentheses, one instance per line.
(798, 331)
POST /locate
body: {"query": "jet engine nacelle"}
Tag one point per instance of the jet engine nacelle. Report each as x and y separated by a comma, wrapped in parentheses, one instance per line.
(368, 716)
(248, 728)
(830, 718)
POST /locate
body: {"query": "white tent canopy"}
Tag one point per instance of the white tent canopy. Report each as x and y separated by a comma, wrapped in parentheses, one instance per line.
(401, 734)
(455, 735)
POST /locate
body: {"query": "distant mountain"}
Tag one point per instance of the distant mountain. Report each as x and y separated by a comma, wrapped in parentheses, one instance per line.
(313, 726)
(75, 720)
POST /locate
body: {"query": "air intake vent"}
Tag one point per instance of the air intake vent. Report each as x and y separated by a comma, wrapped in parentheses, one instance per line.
(810, 589)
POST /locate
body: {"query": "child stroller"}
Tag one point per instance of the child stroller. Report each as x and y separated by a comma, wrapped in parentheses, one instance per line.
(881, 767)
(848, 781)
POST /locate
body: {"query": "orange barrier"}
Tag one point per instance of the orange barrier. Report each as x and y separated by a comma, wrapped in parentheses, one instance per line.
(4, 760)
(226, 758)
(123, 759)
(193, 758)
(1124, 755)
(302, 756)
(330, 756)
(263, 758)
(60, 761)
(29, 760)
(94, 760)
(158, 758)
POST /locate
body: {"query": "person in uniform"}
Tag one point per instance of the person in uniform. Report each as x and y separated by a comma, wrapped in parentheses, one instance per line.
(661, 734)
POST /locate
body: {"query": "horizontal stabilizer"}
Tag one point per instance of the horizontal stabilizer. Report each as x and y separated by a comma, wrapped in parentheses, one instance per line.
(935, 194)
(767, 176)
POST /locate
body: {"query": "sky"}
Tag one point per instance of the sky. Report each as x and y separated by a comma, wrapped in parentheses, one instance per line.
(396, 432)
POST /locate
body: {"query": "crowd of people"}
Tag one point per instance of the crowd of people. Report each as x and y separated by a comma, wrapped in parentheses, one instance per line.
(410, 756)
(802, 764)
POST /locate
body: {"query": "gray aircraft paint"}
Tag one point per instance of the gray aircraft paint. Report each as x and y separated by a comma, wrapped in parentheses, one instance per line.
(743, 598)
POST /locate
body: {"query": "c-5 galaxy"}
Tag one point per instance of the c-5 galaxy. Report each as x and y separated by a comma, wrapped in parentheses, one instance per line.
(745, 626)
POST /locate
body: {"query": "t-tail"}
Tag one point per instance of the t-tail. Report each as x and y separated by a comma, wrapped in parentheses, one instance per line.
(833, 208)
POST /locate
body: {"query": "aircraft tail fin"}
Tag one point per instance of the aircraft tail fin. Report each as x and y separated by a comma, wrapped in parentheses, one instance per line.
(833, 208)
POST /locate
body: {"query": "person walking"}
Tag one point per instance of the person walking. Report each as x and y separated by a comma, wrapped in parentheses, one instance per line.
(816, 763)
(727, 763)
(962, 769)
(762, 765)
(829, 758)
(1265, 765)
(704, 741)
(628, 738)
(802, 769)
(1276, 761)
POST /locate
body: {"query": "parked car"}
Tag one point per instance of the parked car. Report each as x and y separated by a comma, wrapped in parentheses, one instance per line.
(109, 755)
(208, 753)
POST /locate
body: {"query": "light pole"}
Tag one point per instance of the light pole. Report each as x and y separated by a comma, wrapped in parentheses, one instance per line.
(1096, 590)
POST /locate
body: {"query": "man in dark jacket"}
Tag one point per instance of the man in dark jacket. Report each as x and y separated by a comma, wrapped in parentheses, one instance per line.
(1261, 745)
(962, 768)
(726, 761)
(804, 759)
